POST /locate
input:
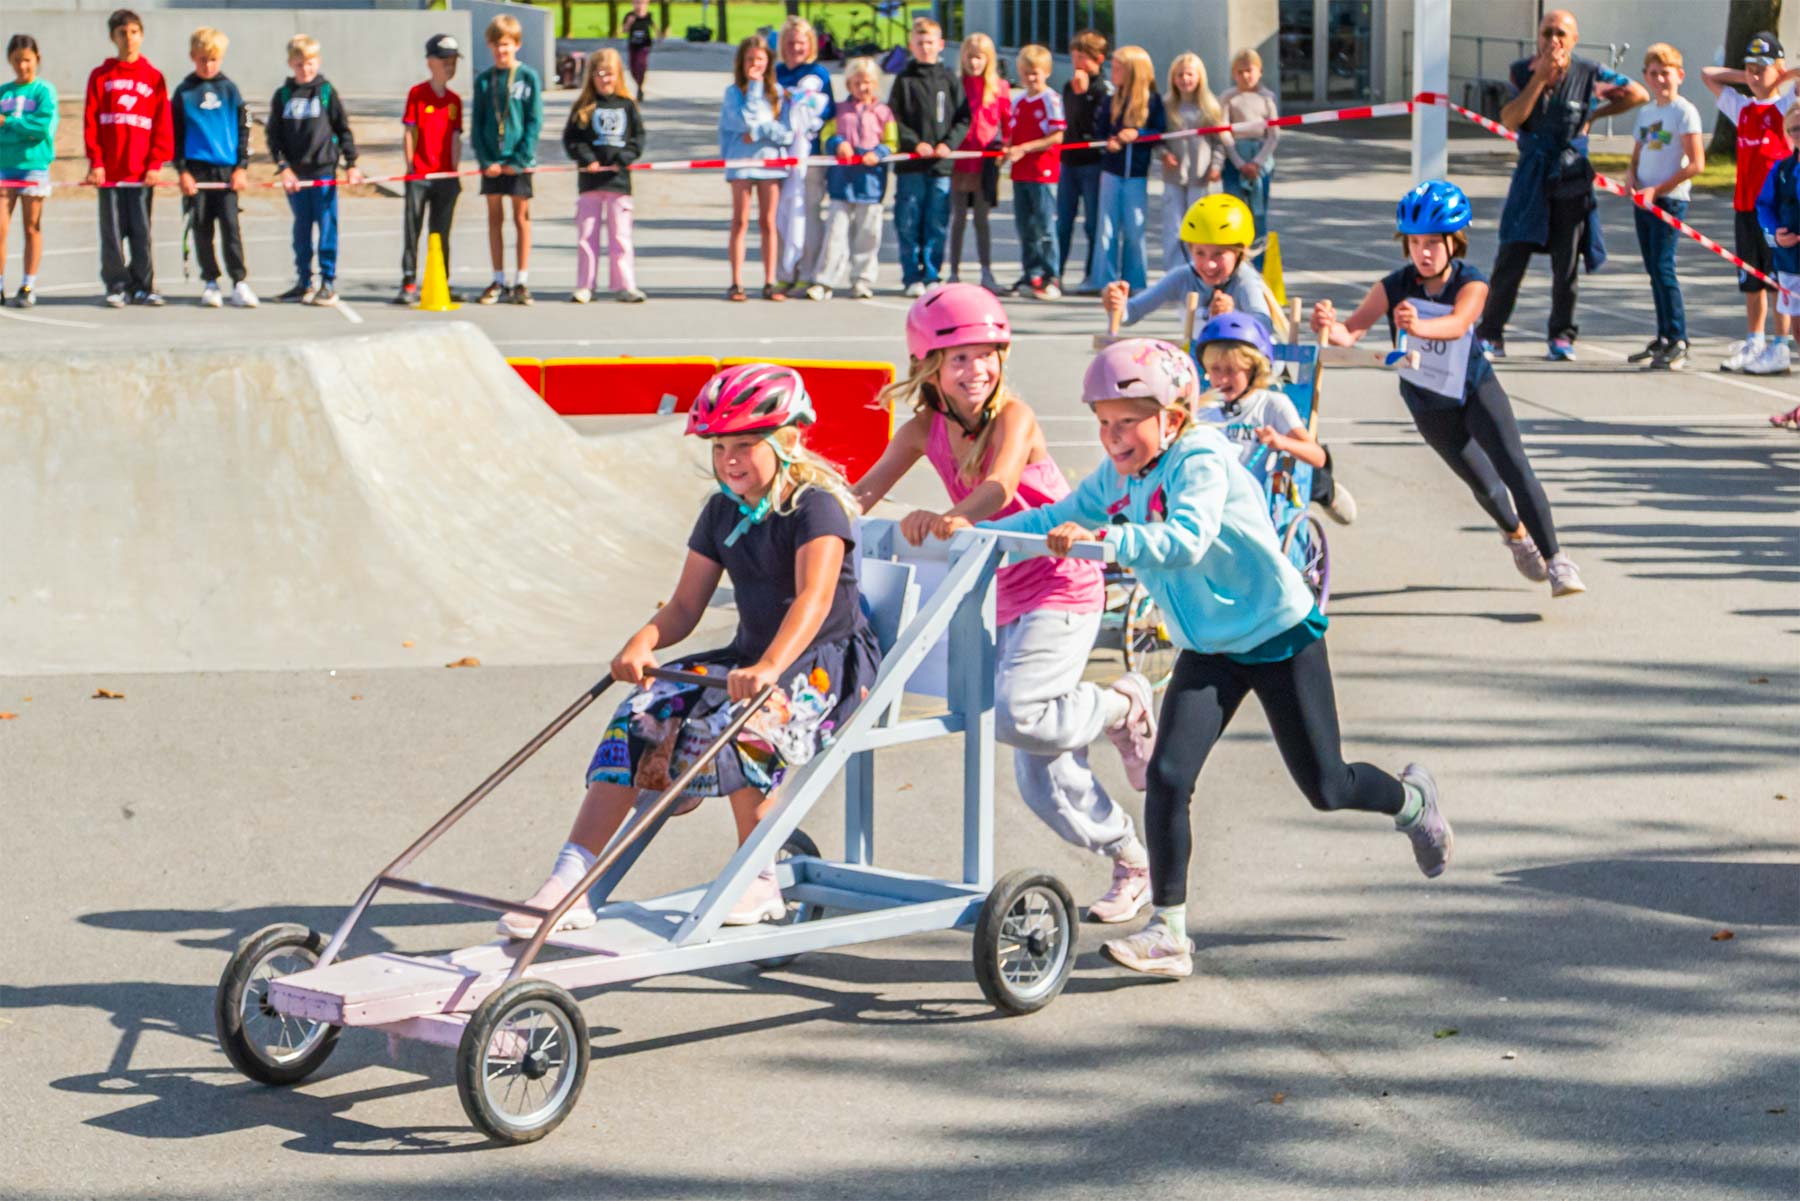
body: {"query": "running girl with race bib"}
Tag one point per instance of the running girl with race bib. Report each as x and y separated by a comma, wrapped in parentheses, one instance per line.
(1456, 400)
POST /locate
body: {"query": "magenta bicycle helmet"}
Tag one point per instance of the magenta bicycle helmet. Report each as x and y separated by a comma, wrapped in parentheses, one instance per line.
(955, 315)
(751, 398)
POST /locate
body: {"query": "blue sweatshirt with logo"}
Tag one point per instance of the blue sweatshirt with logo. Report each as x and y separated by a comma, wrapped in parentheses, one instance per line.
(1195, 531)
(212, 123)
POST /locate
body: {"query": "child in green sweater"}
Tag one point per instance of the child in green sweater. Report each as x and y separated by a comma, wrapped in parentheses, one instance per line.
(504, 119)
(27, 144)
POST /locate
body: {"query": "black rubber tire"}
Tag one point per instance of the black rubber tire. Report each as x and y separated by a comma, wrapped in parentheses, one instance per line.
(239, 1047)
(471, 1065)
(991, 935)
(798, 843)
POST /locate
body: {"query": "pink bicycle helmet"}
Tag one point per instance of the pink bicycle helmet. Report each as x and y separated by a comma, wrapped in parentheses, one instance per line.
(751, 398)
(955, 315)
(1140, 369)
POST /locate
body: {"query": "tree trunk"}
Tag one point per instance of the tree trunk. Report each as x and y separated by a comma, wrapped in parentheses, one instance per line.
(612, 18)
(724, 32)
(1746, 19)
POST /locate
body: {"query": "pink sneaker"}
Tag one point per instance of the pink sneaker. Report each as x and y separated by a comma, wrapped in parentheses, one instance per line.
(523, 925)
(1129, 894)
(761, 902)
(1136, 735)
(1153, 951)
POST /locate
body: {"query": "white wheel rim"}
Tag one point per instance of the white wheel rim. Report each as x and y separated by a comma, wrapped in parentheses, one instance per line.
(275, 1038)
(528, 1065)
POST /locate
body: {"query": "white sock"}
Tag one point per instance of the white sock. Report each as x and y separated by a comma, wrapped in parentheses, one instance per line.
(572, 863)
(1412, 808)
(3, 285)
(1175, 918)
(1132, 854)
(522, 276)
(500, 278)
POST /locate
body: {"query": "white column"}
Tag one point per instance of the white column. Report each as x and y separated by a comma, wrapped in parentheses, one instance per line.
(1431, 73)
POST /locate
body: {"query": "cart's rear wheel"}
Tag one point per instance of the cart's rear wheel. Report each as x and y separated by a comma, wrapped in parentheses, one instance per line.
(1148, 650)
(1025, 942)
(1304, 544)
(270, 1047)
(522, 1061)
(798, 843)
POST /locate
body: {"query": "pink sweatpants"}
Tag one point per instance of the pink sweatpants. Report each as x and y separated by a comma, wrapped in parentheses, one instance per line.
(595, 213)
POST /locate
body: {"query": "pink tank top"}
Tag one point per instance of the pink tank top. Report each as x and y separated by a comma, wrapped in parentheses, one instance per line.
(1075, 585)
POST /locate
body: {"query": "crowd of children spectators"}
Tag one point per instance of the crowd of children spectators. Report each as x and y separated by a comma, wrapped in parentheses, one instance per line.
(820, 226)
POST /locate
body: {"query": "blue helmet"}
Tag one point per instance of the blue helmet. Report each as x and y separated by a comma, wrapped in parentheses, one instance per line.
(1436, 206)
(1242, 328)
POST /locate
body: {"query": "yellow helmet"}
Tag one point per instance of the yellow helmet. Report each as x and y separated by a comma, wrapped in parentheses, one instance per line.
(1219, 220)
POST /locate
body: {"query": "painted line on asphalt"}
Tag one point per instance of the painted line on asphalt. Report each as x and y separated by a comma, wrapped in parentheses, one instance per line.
(12, 316)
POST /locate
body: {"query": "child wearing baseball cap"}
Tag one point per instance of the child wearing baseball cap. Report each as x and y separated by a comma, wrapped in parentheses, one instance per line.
(433, 118)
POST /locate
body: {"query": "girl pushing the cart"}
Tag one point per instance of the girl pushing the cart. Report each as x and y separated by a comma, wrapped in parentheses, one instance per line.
(780, 527)
(1190, 523)
(987, 448)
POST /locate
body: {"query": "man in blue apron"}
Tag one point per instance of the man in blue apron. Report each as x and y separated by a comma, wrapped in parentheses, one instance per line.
(1550, 205)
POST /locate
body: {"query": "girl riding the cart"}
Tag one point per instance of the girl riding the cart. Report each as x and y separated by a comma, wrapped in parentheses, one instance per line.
(780, 528)
(1191, 524)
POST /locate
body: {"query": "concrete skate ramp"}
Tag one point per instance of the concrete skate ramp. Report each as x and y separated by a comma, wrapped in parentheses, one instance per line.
(320, 504)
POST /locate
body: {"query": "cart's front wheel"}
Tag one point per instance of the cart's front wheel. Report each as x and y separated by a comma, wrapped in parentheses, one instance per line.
(270, 1047)
(522, 1061)
(798, 843)
(1025, 942)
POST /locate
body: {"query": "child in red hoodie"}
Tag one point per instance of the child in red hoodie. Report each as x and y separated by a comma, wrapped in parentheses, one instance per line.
(129, 137)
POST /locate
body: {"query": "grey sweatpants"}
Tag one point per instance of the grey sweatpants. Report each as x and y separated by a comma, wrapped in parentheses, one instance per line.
(1048, 715)
(852, 245)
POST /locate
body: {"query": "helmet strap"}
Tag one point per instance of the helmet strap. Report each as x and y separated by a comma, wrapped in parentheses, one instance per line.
(749, 515)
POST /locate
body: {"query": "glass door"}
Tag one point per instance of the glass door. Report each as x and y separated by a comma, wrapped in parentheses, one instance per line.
(1326, 49)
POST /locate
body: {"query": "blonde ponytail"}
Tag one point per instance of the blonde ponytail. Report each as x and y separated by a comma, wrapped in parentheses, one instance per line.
(802, 469)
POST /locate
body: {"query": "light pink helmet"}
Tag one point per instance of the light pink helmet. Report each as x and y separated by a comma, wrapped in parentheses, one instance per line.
(955, 315)
(1140, 369)
(751, 398)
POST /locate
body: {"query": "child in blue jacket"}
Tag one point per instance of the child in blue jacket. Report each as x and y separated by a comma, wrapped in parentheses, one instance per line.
(1778, 212)
(1193, 527)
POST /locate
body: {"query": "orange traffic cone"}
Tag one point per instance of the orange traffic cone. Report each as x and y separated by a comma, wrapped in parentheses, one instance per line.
(434, 296)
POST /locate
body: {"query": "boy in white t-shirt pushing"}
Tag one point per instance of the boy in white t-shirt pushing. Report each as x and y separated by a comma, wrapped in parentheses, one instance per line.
(1666, 152)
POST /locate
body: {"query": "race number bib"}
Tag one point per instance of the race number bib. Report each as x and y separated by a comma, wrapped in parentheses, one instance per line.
(1443, 366)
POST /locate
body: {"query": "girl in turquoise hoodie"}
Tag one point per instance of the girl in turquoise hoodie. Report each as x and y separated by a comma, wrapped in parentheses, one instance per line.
(27, 145)
(1192, 526)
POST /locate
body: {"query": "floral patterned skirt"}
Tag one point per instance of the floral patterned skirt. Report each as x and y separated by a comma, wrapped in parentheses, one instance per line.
(661, 730)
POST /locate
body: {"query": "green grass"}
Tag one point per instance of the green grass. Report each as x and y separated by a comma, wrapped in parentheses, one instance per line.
(745, 17)
(1719, 174)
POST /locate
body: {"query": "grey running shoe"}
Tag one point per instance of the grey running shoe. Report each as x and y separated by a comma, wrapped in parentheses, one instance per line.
(1527, 558)
(1153, 951)
(1564, 579)
(325, 294)
(1432, 838)
(1655, 347)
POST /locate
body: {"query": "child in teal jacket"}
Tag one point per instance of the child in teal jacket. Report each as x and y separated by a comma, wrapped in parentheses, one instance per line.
(27, 146)
(1192, 525)
(506, 114)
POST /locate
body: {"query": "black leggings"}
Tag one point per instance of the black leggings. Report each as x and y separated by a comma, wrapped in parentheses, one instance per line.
(1480, 442)
(1203, 694)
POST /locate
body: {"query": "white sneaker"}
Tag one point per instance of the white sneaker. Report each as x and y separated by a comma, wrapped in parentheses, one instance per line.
(210, 297)
(1564, 579)
(241, 295)
(1740, 352)
(1527, 558)
(1775, 359)
(1135, 735)
(115, 300)
(523, 925)
(1152, 950)
(818, 292)
(761, 902)
(915, 290)
(581, 295)
(1051, 291)
(1341, 508)
(861, 291)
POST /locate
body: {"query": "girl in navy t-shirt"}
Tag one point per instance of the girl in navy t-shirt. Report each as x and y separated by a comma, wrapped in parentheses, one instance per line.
(780, 528)
(1455, 398)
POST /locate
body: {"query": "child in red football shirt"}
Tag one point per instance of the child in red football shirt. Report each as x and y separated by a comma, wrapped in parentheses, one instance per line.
(1761, 143)
(1037, 132)
(128, 135)
(434, 122)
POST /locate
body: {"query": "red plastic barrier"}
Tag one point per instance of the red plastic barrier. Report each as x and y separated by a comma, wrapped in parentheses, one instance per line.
(850, 431)
(531, 371)
(616, 386)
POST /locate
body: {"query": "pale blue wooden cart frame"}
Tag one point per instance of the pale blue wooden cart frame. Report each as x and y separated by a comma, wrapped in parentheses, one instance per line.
(849, 902)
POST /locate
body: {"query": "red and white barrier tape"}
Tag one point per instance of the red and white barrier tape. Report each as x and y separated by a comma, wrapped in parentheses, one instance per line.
(1366, 112)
